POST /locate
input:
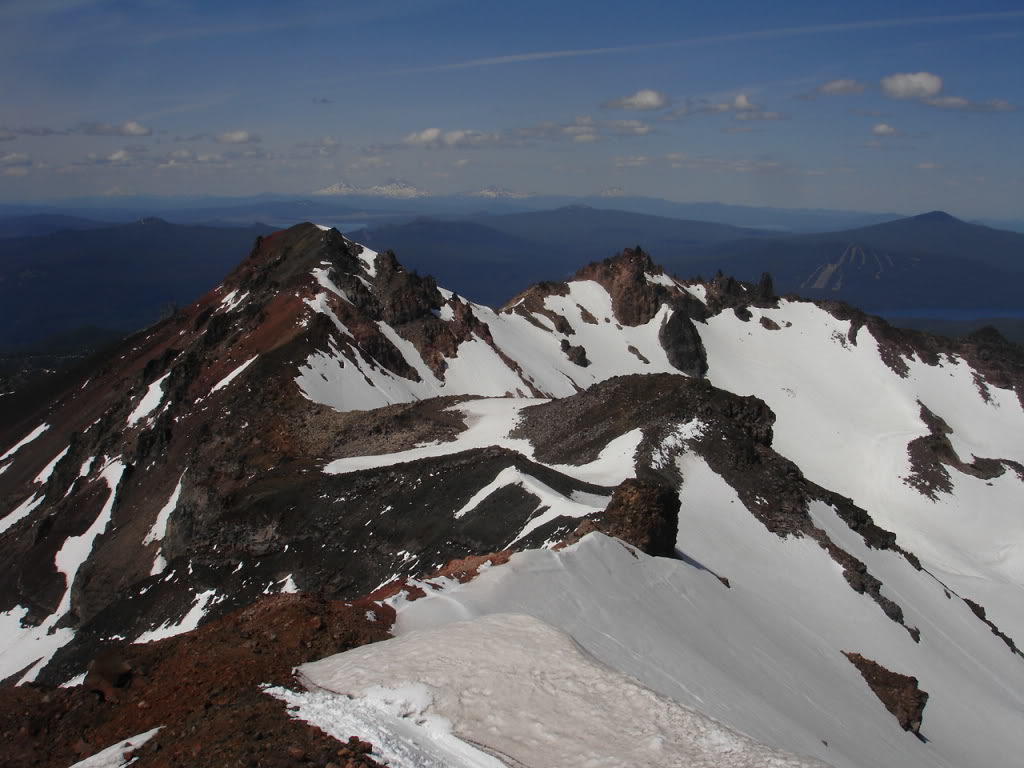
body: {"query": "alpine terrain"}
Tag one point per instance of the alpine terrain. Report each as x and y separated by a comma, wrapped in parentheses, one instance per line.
(623, 520)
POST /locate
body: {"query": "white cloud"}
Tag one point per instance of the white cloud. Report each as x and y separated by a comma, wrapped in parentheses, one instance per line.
(643, 99)
(743, 102)
(633, 161)
(181, 158)
(434, 138)
(757, 114)
(966, 105)
(741, 107)
(462, 162)
(883, 129)
(912, 85)
(424, 138)
(629, 127)
(127, 128)
(14, 164)
(840, 87)
(237, 137)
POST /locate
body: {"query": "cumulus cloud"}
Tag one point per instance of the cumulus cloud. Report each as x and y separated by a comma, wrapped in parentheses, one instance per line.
(911, 85)
(435, 138)
(632, 161)
(237, 137)
(883, 129)
(840, 87)
(127, 128)
(742, 102)
(644, 99)
(741, 108)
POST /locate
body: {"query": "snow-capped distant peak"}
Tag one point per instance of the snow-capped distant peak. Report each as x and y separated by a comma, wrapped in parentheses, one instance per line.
(337, 190)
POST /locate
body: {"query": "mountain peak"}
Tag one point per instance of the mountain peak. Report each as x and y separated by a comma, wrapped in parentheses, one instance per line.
(935, 217)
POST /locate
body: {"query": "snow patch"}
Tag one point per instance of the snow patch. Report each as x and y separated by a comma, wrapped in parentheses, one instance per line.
(159, 529)
(115, 756)
(150, 401)
(233, 375)
(43, 476)
(186, 624)
(25, 441)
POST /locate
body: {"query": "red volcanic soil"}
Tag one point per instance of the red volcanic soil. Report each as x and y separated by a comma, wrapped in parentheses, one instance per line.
(203, 687)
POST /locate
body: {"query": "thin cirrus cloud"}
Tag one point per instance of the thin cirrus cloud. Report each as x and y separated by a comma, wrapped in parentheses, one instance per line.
(644, 99)
(632, 161)
(840, 87)
(760, 34)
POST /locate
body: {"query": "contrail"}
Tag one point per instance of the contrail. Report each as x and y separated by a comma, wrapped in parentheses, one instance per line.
(763, 34)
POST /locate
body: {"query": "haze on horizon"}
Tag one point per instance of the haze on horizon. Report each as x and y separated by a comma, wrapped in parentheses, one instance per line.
(807, 105)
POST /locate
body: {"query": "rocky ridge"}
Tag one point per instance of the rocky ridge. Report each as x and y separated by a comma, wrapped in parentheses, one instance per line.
(191, 462)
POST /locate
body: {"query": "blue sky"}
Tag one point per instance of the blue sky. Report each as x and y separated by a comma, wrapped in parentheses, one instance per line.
(810, 104)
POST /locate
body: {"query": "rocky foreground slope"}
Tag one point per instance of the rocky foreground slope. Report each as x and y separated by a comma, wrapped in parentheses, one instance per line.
(821, 512)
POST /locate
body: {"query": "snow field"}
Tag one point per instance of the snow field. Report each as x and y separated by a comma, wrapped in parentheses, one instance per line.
(515, 687)
(846, 419)
(763, 657)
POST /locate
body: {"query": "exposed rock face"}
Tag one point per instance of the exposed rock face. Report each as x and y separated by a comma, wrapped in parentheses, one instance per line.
(645, 515)
(899, 693)
(683, 345)
(635, 300)
(202, 689)
(930, 455)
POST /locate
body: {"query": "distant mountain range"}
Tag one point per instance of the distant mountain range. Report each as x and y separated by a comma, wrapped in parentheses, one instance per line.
(928, 262)
(113, 276)
(84, 272)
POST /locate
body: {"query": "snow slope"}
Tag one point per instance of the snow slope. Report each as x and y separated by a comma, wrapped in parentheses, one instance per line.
(519, 689)
(846, 419)
(763, 657)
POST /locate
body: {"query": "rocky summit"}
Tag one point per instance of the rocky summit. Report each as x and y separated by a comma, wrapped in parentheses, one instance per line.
(752, 530)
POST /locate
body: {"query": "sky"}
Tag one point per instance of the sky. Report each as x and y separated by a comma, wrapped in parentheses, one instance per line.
(874, 106)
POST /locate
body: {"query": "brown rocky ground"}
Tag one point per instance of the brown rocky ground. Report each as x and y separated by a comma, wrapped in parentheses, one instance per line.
(899, 693)
(203, 687)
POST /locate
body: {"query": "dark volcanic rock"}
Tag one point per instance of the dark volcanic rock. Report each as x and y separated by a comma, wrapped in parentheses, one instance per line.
(683, 345)
(203, 688)
(645, 515)
(899, 693)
